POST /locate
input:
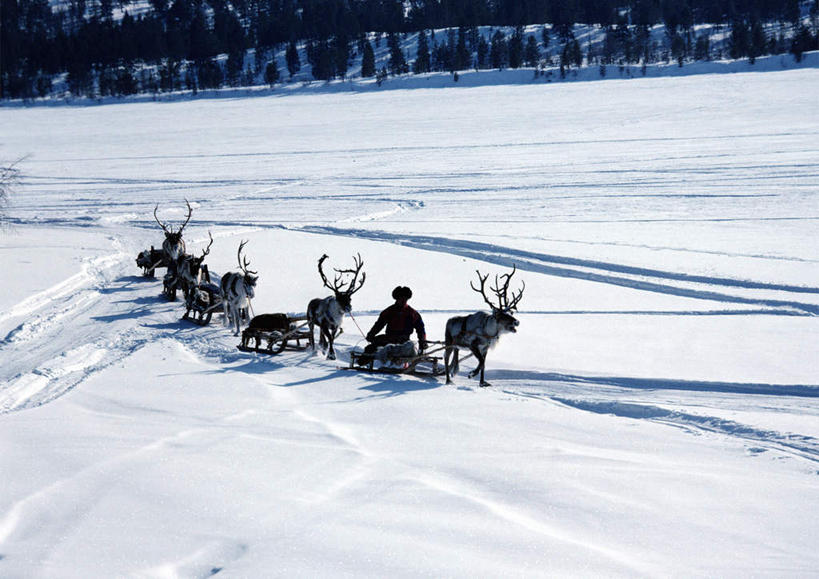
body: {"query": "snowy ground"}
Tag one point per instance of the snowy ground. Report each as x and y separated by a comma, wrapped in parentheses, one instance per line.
(655, 414)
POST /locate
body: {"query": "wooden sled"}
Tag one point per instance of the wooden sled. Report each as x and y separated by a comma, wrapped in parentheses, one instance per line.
(428, 364)
(201, 304)
(277, 340)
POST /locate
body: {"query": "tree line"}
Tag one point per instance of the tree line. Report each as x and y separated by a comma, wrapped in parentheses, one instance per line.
(113, 48)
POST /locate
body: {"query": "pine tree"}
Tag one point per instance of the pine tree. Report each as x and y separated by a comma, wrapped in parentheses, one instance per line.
(702, 50)
(802, 41)
(271, 73)
(571, 55)
(398, 64)
(368, 60)
(462, 56)
(341, 55)
(483, 52)
(209, 74)
(516, 49)
(678, 49)
(422, 58)
(125, 83)
(451, 47)
(740, 39)
(531, 52)
(498, 51)
(323, 61)
(758, 41)
(292, 57)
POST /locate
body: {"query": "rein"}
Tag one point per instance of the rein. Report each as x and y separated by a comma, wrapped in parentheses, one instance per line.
(357, 326)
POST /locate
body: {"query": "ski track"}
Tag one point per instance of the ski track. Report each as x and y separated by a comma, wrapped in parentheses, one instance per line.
(59, 345)
(643, 279)
(90, 271)
(676, 249)
(797, 445)
(531, 385)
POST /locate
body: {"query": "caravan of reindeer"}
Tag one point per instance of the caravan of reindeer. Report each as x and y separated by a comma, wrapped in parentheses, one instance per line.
(477, 332)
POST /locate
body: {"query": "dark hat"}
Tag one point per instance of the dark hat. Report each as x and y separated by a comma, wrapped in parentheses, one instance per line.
(401, 293)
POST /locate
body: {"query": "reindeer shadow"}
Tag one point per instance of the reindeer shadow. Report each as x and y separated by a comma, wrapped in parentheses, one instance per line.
(130, 315)
(256, 365)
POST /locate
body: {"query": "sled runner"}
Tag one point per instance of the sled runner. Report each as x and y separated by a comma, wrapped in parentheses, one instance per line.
(279, 331)
(398, 359)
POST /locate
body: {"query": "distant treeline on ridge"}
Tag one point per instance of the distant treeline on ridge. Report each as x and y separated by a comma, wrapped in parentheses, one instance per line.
(101, 47)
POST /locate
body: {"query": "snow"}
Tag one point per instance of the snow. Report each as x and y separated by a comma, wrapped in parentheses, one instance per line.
(654, 414)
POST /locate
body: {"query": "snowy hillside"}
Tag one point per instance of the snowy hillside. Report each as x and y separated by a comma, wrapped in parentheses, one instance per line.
(655, 414)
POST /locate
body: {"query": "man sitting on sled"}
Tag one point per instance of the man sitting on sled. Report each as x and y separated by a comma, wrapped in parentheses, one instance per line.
(400, 320)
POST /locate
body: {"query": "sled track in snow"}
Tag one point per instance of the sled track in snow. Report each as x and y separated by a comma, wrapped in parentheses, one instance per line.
(757, 440)
(801, 446)
(643, 279)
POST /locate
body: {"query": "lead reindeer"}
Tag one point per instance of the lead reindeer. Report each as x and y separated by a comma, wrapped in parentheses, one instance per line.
(173, 246)
(328, 313)
(479, 332)
(237, 289)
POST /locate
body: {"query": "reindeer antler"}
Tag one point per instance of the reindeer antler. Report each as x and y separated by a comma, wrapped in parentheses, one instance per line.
(481, 289)
(338, 285)
(162, 225)
(501, 291)
(358, 263)
(207, 249)
(190, 212)
(244, 266)
(321, 273)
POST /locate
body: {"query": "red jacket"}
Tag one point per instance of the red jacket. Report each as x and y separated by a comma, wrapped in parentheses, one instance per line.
(400, 321)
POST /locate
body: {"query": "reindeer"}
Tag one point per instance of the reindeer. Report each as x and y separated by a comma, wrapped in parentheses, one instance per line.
(480, 331)
(190, 272)
(328, 313)
(173, 246)
(237, 289)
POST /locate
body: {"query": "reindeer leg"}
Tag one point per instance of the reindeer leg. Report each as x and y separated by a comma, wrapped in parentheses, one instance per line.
(331, 335)
(323, 333)
(480, 356)
(448, 353)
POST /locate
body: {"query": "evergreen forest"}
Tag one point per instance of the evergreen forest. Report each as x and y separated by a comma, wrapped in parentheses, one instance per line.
(95, 48)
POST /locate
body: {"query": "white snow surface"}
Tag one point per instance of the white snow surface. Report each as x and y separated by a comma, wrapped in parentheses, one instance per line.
(655, 414)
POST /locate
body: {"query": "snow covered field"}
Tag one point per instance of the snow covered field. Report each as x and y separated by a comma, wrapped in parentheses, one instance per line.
(655, 415)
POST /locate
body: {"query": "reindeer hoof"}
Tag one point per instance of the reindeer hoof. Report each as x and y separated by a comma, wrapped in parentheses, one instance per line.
(331, 356)
(485, 384)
